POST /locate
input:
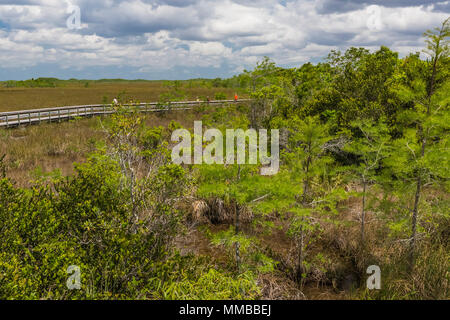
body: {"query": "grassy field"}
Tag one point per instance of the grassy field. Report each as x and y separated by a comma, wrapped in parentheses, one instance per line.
(56, 146)
(95, 92)
(50, 147)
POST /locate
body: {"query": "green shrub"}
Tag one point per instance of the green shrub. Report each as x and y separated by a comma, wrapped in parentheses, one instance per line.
(220, 96)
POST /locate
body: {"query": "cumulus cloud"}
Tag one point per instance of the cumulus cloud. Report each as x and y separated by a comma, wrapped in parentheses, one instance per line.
(146, 36)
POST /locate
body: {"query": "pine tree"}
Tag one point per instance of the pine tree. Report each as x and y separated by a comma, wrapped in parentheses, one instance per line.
(307, 159)
(371, 146)
(423, 148)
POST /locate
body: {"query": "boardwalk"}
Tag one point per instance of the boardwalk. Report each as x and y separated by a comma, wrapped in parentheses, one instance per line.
(28, 117)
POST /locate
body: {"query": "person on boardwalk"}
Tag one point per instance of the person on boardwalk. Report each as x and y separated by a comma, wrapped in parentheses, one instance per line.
(235, 97)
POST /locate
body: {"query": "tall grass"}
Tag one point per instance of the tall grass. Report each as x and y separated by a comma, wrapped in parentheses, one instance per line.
(96, 92)
(56, 146)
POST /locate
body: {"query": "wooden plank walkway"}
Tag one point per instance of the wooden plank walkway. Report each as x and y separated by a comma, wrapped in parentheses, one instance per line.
(28, 117)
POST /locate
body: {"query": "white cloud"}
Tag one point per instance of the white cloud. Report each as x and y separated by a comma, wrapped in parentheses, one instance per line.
(158, 35)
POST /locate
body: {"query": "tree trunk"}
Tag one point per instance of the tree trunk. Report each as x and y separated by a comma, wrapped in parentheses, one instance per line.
(237, 226)
(414, 224)
(422, 134)
(134, 213)
(363, 213)
(415, 213)
(300, 269)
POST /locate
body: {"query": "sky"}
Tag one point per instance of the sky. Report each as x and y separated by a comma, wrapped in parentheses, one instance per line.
(182, 39)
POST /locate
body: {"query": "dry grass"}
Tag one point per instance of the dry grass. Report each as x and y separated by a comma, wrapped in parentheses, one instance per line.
(12, 99)
(48, 146)
(216, 211)
(56, 146)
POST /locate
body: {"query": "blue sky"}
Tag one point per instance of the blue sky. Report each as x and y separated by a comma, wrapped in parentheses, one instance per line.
(181, 39)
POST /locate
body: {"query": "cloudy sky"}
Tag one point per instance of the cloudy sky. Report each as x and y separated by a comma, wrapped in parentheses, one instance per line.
(180, 39)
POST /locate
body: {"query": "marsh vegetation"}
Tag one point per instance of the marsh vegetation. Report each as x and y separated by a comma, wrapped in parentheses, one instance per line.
(364, 180)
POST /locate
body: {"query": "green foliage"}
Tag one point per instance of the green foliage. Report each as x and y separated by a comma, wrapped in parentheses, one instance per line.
(174, 93)
(116, 226)
(220, 96)
(33, 83)
(252, 257)
(421, 154)
(188, 278)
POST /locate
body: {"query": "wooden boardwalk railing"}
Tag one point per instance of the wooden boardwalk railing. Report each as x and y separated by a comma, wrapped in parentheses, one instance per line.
(36, 116)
